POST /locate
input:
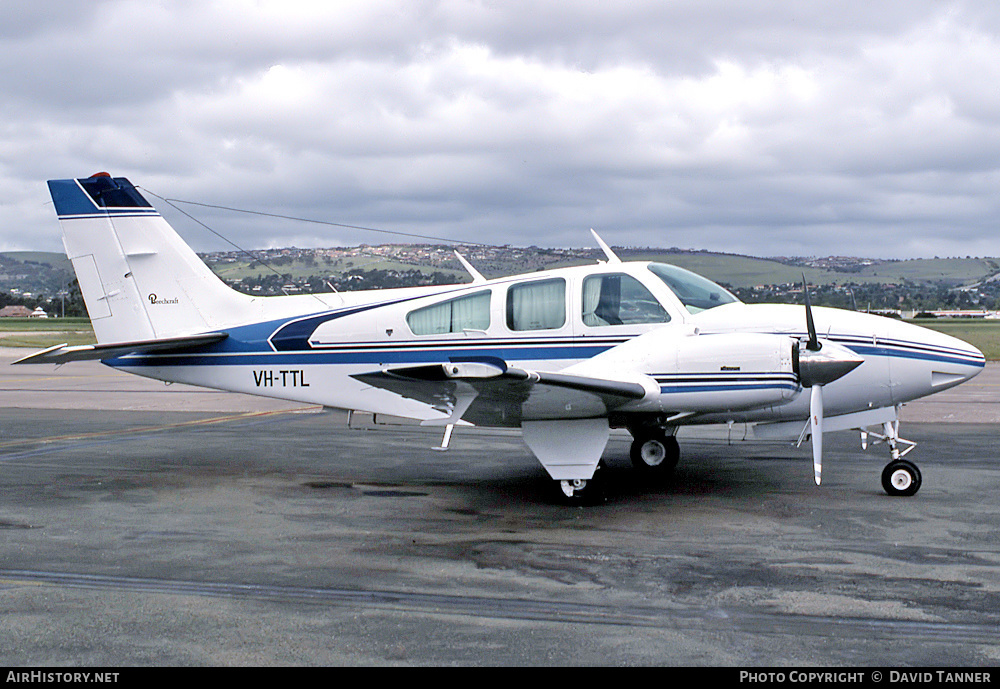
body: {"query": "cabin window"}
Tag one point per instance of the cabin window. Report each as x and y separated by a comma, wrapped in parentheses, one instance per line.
(619, 299)
(694, 291)
(457, 315)
(539, 305)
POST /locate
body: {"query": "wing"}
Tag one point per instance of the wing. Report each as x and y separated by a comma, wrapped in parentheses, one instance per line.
(60, 354)
(492, 393)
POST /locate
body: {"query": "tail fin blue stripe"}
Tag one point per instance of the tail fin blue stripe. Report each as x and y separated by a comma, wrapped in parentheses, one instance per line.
(98, 196)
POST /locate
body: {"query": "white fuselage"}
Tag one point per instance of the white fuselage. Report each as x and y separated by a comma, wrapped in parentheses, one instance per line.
(712, 365)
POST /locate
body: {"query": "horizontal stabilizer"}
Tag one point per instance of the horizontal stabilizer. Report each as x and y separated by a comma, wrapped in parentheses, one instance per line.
(61, 354)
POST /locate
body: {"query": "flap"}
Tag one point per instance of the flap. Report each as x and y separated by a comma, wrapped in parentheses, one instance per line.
(503, 395)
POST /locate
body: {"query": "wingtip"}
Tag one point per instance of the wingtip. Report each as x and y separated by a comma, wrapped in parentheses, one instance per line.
(40, 356)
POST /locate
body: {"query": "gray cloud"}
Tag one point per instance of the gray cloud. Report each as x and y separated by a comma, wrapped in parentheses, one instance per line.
(763, 128)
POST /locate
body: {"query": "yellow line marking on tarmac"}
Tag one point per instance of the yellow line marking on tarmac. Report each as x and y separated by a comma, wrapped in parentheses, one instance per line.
(20, 582)
(33, 379)
(150, 429)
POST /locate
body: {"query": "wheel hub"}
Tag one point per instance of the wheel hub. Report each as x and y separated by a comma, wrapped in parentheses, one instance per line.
(653, 453)
(901, 479)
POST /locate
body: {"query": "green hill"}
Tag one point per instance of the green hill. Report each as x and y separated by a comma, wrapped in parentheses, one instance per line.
(35, 272)
(48, 272)
(952, 271)
(747, 271)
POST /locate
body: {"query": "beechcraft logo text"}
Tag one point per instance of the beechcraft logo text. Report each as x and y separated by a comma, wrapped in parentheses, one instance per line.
(153, 299)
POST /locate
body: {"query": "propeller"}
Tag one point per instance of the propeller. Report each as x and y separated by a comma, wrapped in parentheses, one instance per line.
(816, 430)
(819, 364)
(813, 344)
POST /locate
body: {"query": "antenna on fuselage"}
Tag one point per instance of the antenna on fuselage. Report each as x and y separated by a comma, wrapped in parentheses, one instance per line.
(477, 277)
(612, 258)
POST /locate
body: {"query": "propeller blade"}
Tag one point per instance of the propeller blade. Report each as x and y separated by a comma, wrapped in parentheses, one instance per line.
(813, 345)
(816, 426)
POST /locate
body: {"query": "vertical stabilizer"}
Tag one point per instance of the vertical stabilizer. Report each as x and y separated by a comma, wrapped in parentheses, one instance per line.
(139, 279)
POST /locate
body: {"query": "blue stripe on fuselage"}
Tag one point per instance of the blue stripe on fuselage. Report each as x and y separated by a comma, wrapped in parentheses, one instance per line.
(728, 381)
(903, 349)
(670, 389)
(375, 356)
(907, 352)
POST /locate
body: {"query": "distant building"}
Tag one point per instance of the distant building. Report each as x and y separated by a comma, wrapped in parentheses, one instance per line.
(955, 313)
(39, 312)
(15, 312)
(978, 313)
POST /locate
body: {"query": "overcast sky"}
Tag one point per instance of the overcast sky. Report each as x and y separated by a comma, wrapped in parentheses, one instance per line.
(766, 128)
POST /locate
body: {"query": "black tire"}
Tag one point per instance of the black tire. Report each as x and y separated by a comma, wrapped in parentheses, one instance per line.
(901, 478)
(655, 454)
(583, 492)
(586, 493)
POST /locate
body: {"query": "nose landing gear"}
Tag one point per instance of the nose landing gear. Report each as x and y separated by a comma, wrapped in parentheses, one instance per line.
(900, 477)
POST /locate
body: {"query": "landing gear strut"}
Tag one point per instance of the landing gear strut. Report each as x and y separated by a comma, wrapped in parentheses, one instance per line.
(900, 477)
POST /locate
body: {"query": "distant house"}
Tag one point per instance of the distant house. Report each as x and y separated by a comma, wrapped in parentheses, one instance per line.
(39, 312)
(15, 312)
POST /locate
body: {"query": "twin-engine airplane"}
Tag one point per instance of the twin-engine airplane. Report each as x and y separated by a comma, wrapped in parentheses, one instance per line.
(566, 355)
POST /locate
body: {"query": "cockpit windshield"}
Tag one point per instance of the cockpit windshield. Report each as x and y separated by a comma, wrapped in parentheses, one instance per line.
(694, 291)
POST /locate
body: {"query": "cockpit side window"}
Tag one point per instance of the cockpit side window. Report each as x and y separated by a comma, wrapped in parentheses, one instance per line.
(694, 291)
(538, 305)
(454, 316)
(619, 299)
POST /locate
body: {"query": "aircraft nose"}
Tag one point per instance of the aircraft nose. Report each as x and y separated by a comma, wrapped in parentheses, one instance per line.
(931, 360)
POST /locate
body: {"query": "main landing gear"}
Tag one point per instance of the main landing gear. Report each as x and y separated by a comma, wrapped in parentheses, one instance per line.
(654, 455)
(900, 477)
(580, 491)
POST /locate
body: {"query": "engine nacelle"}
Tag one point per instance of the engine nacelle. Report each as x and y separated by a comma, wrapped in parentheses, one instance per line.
(703, 373)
